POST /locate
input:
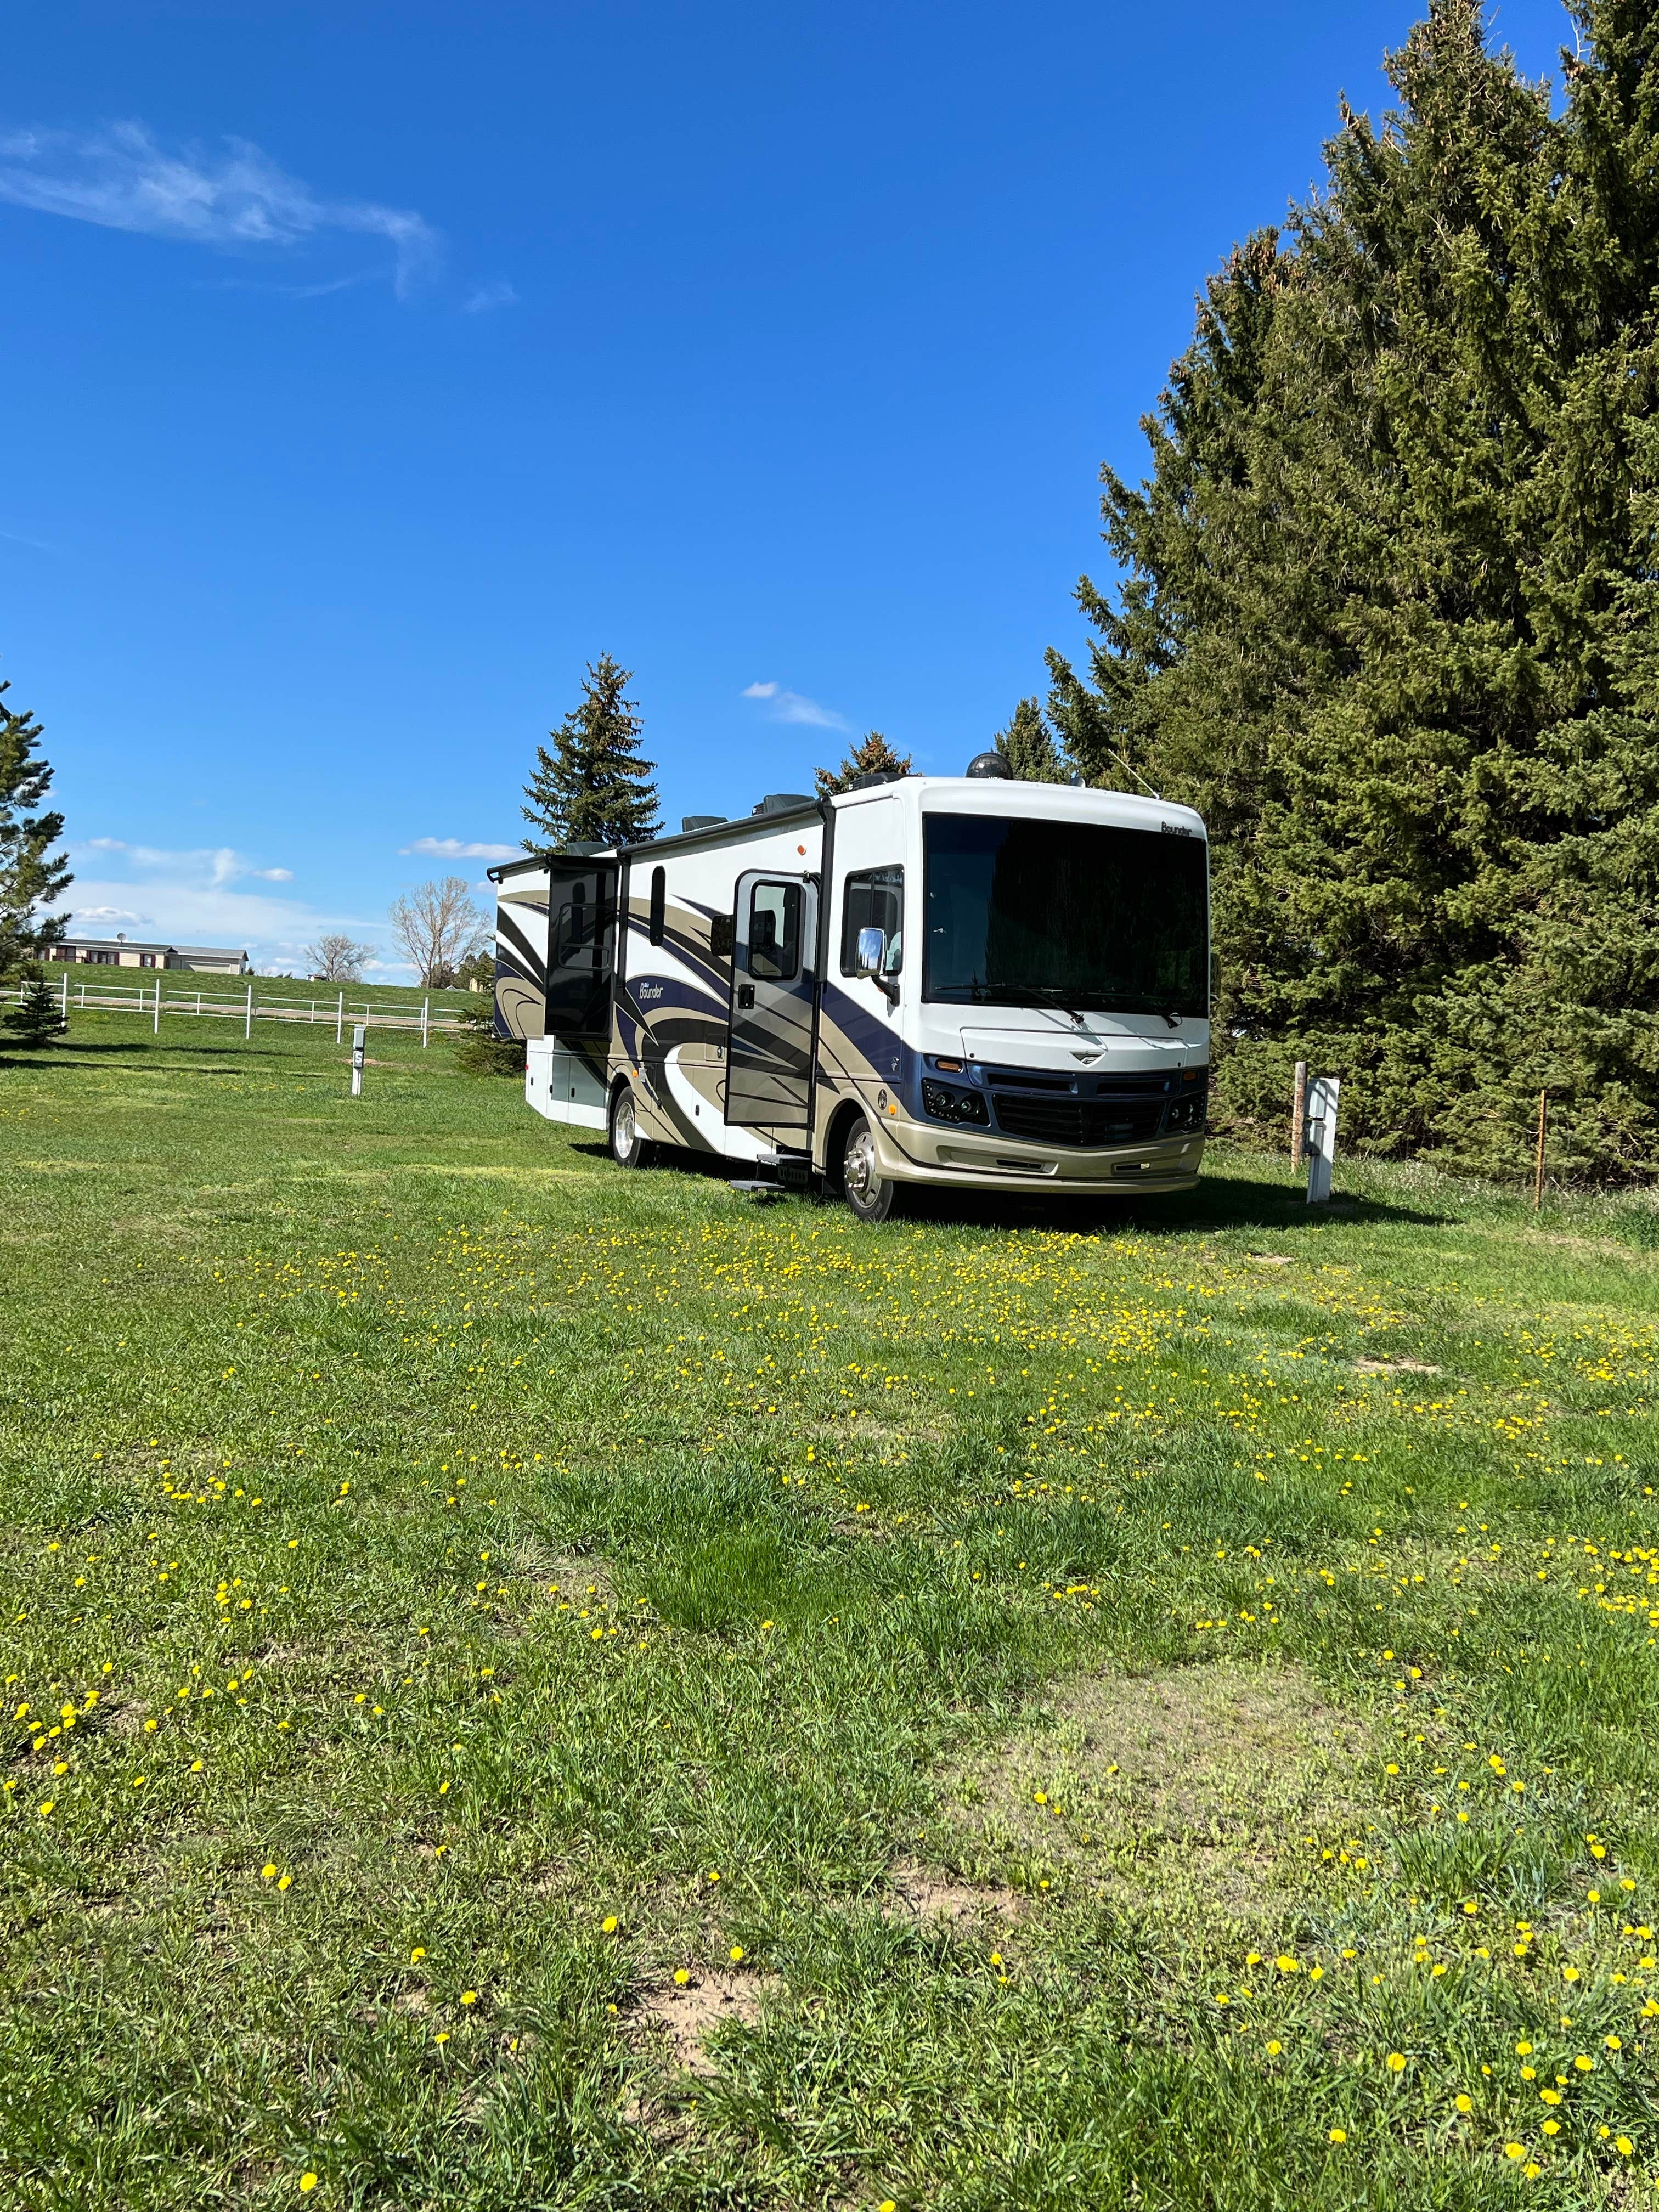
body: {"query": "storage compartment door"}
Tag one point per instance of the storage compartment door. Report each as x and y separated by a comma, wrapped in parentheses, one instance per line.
(769, 1073)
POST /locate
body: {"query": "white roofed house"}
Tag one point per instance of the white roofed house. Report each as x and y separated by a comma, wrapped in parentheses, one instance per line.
(122, 952)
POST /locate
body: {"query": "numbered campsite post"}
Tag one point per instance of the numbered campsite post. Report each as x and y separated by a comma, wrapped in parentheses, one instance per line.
(359, 1040)
(1319, 1137)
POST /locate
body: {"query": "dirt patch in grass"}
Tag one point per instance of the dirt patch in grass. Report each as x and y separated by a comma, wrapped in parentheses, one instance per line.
(1208, 1791)
(926, 1895)
(681, 2016)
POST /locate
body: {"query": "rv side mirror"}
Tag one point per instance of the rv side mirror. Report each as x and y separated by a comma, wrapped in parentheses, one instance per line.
(873, 950)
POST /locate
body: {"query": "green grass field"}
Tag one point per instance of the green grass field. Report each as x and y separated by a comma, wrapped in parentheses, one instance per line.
(531, 1685)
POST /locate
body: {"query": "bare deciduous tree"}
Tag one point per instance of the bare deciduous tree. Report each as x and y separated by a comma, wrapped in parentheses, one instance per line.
(335, 958)
(438, 926)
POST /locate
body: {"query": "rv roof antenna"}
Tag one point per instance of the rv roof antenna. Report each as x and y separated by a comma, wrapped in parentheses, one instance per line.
(1138, 778)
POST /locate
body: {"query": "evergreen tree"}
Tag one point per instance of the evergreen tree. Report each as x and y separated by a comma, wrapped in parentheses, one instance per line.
(1390, 618)
(36, 1019)
(31, 873)
(871, 755)
(593, 788)
(1028, 746)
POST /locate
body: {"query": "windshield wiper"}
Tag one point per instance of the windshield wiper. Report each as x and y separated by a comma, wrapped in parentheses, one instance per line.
(1026, 994)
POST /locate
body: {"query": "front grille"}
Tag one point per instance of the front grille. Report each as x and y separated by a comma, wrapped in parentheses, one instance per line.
(1082, 1121)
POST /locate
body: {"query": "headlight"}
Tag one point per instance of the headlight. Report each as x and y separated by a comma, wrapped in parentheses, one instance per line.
(942, 1104)
(1186, 1113)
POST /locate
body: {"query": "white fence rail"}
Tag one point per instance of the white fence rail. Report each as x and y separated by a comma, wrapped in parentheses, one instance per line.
(247, 1007)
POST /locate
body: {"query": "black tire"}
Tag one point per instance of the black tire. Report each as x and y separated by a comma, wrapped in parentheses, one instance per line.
(628, 1147)
(871, 1195)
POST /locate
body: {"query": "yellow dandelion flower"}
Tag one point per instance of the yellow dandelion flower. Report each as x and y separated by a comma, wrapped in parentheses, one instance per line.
(1623, 2145)
(308, 2181)
(609, 1924)
(682, 1975)
(267, 1872)
(1515, 2150)
(1397, 2062)
(469, 1996)
(1338, 2135)
(735, 1953)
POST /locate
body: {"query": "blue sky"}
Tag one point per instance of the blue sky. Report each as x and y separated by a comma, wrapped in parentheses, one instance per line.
(370, 368)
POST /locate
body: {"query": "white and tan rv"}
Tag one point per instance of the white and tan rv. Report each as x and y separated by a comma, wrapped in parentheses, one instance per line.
(928, 981)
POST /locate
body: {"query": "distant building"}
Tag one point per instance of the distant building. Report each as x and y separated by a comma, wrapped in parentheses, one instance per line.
(122, 952)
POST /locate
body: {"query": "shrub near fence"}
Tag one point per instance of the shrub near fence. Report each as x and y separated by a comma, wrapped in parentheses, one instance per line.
(250, 1004)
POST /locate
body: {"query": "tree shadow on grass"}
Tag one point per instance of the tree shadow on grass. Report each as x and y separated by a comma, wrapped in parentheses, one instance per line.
(1220, 1203)
(70, 1051)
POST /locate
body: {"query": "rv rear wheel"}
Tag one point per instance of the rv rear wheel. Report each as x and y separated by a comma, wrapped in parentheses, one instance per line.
(871, 1194)
(628, 1147)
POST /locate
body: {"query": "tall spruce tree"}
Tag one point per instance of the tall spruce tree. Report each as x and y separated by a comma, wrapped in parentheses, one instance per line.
(1388, 614)
(31, 872)
(871, 755)
(593, 788)
(1028, 746)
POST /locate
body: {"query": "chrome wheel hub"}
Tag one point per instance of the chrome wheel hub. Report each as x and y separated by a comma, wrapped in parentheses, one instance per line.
(623, 1137)
(860, 1168)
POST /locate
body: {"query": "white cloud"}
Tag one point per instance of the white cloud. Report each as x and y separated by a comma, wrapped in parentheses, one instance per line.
(219, 864)
(122, 179)
(108, 914)
(462, 849)
(498, 293)
(788, 706)
(211, 894)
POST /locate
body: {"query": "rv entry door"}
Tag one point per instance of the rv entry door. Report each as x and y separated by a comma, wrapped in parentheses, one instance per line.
(768, 1066)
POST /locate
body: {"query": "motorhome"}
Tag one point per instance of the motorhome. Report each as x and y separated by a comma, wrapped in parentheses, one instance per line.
(949, 982)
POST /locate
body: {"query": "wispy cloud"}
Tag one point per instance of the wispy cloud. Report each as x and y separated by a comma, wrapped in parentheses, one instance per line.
(215, 865)
(210, 894)
(498, 293)
(787, 705)
(462, 849)
(108, 914)
(121, 178)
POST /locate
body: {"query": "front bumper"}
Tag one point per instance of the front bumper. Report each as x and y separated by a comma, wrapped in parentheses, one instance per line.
(966, 1159)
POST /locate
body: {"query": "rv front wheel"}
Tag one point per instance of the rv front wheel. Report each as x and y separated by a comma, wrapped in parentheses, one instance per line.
(871, 1194)
(628, 1147)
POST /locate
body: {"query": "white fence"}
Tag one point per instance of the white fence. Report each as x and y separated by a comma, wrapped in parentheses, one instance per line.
(163, 998)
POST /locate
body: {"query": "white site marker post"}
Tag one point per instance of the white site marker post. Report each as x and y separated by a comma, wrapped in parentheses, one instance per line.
(426, 1007)
(156, 1026)
(1320, 1139)
(65, 1008)
(339, 1018)
(247, 1026)
(359, 1040)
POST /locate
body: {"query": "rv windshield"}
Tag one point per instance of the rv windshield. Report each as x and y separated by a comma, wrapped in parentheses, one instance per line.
(1064, 914)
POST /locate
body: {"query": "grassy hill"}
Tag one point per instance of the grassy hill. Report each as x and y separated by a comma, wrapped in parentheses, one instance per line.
(535, 1685)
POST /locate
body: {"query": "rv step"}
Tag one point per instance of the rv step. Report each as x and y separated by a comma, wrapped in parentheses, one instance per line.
(793, 1170)
(756, 1189)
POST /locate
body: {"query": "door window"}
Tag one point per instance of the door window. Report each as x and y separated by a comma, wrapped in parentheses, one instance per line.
(775, 932)
(873, 899)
